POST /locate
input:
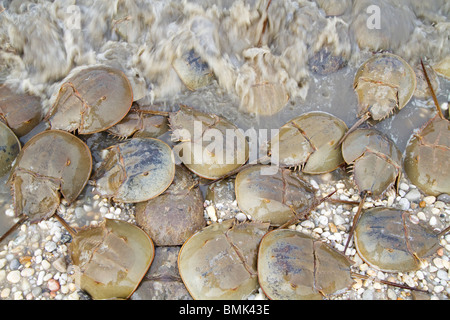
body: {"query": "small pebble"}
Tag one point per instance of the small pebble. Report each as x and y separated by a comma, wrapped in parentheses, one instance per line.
(36, 291)
(433, 221)
(443, 275)
(14, 276)
(5, 293)
(413, 195)
(438, 289)
(53, 285)
(14, 264)
(50, 246)
(404, 204)
(429, 200)
(211, 211)
(45, 264)
(421, 216)
(444, 198)
(241, 217)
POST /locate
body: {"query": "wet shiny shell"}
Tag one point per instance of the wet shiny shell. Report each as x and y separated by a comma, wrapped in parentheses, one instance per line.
(208, 146)
(427, 157)
(93, 100)
(111, 259)
(52, 162)
(310, 141)
(192, 70)
(21, 112)
(386, 239)
(9, 148)
(384, 83)
(175, 215)
(294, 266)
(219, 262)
(272, 194)
(375, 159)
(136, 170)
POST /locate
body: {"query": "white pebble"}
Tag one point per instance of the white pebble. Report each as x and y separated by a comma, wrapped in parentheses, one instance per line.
(433, 221)
(241, 217)
(438, 289)
(314, 184)
(420, 275)
(391, 294)
(443, 275)
(9, 212)
(40, 279)
(421, 216)
(404, 186)
(404, 204)
(340, 185)
(27, 272)
(13, 276)
(438, 263)
(413, 195)
(323, 221)
(45, 264)
(211, 211)
(435, 211)
(109, 215)
(48, 276)
(429, 199)
(338, 220)
(5, 293)
(318, 230)
(50, 246)
(307, 224)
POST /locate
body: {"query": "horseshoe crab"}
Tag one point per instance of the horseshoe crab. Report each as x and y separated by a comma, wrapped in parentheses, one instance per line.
(9, 148)
(139, 123)
(192, 70)
(376, 164)
(172, 217)
(309, 141)
(292, 265)
(111, 259)
(383, 84)
(275, 198)
(92, 100)
(51, 164)
(219, 262)
(195, 130)
(21, 112)
(386, 239)
(136, 170)
(427, 154)
(260, 85)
